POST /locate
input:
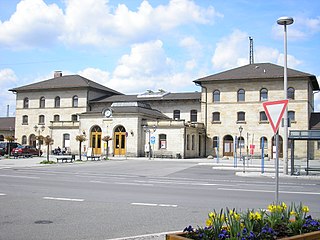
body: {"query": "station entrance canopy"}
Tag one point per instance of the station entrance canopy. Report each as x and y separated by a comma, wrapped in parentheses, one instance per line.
(304, 135)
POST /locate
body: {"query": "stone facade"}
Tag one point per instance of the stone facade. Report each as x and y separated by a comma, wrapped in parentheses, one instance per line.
(145, 125)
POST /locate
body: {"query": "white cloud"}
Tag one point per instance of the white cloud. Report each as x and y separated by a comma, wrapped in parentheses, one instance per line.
(148, 67)
(7, 78)
(231, 51)
(96, 22)
(33, 24)
(96, 75)
(302, 28)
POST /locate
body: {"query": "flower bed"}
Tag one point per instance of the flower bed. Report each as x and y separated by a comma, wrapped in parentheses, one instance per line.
(278, 222)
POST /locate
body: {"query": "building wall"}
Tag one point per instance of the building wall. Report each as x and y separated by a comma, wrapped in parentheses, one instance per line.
(252, 106)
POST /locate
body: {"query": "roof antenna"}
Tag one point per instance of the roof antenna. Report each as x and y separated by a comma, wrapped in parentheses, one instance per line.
(251, 61)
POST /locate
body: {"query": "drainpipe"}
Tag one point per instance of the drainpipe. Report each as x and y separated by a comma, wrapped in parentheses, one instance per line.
(205, 116)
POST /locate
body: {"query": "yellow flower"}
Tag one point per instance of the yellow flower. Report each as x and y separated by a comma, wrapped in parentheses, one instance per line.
(272, 208)
(212, 215)
(251, 216)
(284, 206)
(237, 216)
(305, 209)
(293, 213)
(209, 222)
(257, 216)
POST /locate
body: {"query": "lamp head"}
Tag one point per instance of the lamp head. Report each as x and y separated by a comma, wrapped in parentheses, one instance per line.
(285, 20)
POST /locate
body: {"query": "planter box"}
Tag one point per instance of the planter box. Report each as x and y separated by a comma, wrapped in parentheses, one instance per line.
(306, 236)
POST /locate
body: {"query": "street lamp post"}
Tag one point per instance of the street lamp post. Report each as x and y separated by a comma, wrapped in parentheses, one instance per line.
(240, 140)
(39, 130)
(148, 130)
(285, 21)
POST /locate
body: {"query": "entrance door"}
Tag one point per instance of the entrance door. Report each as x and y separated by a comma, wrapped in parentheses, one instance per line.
(228, 146)
(119, 141)
(95, 140)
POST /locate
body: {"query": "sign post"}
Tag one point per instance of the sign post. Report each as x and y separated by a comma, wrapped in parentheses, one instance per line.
(274, 111)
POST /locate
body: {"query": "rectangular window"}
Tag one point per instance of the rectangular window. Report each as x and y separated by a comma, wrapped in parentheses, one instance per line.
(41, 119)
(193, 116)
(241, 116)
(162, 141)
(24, 120)
(192, 142)
(176, 114)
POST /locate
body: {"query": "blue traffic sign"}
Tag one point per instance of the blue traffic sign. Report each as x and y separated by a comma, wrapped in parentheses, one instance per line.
(152, 139)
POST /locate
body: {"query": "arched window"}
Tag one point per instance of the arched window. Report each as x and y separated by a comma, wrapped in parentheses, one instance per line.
(241, 95)
(263, 94)
(290, 93)
(75, 101)
(216, 96)
(57, 102)
(56, 118)
(264, 142)
(291, 116)
(241, 116)
(41, 119)
(42, 102)
(24, 120)
(26, 102)
(263, 116)
(215, 117)
(162, 141)
(176, 114)
(24, 140)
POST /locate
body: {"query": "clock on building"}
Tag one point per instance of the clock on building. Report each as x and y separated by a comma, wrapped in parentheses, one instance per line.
(108, 113)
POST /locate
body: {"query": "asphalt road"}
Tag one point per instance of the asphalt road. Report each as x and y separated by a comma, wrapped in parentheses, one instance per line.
(125, 198)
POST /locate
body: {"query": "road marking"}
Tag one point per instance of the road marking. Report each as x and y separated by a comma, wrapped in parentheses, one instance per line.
(15, 176)
(146, 236)
(135, 184)
(154, 205)
(64, 199)
(3, 194)
(266, 191)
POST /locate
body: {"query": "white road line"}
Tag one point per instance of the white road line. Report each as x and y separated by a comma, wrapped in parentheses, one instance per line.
(146, 236)
(135, 184)
(17, 176)
(267, 191)
(64, 199)
(154, 205)
(3, 194)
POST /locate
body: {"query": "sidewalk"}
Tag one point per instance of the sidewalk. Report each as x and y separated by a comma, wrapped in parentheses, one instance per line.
(252, 168)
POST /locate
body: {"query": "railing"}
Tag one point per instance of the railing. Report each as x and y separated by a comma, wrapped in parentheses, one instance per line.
(64, 124)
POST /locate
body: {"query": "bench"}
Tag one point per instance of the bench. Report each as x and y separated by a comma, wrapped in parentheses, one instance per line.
(90, 155)
(65, 158)
(164, 156)
(310, 169)
(93, 157)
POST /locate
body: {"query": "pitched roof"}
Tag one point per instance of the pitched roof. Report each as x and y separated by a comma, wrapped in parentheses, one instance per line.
(258, 71)
(68, 81)
(136, 98)
(7, 123)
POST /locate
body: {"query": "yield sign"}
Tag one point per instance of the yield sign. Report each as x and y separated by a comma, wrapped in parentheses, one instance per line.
(274, 111)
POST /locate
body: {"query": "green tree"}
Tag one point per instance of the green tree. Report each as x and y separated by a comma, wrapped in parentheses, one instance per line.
(80, 138)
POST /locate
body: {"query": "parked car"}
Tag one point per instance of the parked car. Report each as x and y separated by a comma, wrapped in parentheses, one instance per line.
(4, 147)
(25, 151)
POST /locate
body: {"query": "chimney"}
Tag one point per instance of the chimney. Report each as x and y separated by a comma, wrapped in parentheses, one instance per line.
(57, 74)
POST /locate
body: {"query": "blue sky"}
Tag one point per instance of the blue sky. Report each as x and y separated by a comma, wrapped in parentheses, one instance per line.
(132, 45)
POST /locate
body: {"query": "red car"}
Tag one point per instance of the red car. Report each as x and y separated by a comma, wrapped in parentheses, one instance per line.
(26, 151)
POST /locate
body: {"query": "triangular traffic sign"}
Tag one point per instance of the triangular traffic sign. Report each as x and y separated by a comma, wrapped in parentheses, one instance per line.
(274, 111)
